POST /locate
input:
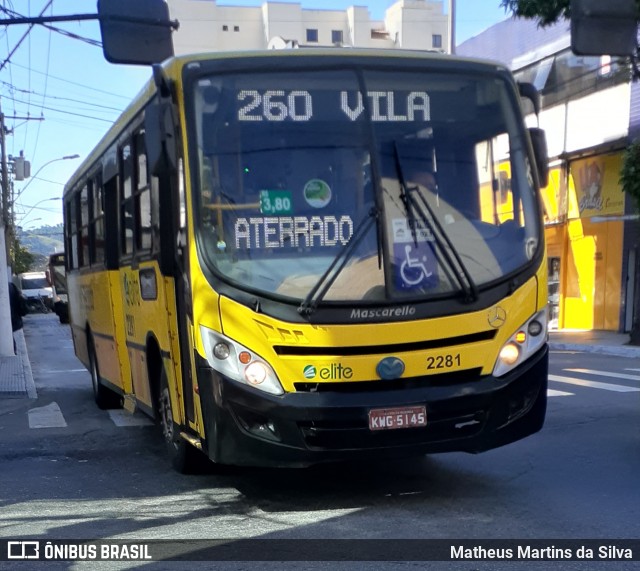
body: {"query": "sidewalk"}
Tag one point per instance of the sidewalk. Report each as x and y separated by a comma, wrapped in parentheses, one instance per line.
(16, 378)
(593, 341)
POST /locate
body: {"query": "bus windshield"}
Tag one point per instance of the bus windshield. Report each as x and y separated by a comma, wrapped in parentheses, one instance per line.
(291, 168)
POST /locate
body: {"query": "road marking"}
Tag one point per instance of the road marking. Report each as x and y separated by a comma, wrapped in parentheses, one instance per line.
(41, 373)
(605, 374)
(594, 384)
(67, 371)
(124, 418)
(49, 416)
(554, 393)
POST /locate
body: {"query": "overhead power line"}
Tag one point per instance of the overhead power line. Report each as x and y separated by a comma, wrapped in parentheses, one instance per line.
(14, 88)
(67, 33)
(84, 86)
(13, 51)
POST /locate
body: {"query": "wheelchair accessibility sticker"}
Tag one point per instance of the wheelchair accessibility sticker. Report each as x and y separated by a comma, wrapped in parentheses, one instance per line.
(415, 263)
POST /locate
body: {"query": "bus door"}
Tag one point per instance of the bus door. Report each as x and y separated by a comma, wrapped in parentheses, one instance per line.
(184, 306)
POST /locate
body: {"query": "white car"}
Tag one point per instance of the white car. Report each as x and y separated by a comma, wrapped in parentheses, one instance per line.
(36, 287)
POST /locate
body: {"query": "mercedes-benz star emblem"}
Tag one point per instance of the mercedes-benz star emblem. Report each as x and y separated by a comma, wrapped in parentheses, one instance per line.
(497, 317)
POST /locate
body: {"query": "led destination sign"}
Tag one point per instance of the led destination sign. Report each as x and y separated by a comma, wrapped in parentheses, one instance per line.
(292, 231)
(301, 105)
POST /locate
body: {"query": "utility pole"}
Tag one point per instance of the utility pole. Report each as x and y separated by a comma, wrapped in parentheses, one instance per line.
(452, 27)
(6, 331)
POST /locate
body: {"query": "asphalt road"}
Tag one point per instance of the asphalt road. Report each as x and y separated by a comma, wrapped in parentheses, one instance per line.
(69, 470)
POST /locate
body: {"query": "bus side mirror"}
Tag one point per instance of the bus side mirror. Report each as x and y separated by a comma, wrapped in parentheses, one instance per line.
(600, 27)
(135, 31)
(529, 91)
(539, 144)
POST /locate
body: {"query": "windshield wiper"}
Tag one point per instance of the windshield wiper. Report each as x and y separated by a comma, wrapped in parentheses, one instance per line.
(327, 279)
(446, 248)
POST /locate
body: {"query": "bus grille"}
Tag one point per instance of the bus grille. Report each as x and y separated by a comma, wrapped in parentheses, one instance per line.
(443, 379)
(337, 435)
(350, 351)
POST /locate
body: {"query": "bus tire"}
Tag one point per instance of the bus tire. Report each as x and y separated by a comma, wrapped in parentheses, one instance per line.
(184, 457)
(105, 398)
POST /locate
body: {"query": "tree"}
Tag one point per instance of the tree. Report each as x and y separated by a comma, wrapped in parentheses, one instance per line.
(546, 11)
(630, 171)
(23, 260)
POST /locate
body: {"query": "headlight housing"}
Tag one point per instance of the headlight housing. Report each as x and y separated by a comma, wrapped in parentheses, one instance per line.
(522, 344)
(239, 363)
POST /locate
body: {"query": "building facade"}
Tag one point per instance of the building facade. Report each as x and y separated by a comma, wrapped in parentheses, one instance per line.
(207, 25)
(590, 112)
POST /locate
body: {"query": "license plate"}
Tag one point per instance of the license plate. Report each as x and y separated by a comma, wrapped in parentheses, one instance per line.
(402, 417)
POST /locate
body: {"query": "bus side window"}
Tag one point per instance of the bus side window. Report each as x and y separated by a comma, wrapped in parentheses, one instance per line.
(127, 204)
(143, 189)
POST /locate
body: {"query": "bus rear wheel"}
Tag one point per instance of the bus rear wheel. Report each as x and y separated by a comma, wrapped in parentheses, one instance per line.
(184, 457)
(105, 398)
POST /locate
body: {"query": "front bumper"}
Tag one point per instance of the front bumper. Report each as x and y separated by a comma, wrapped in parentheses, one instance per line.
(247, 427)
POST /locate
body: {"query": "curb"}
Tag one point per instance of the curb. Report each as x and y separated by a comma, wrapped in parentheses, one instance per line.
(613, 350)
(21, 346)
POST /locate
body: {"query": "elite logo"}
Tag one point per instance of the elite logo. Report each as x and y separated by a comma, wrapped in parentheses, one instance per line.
(335, 371)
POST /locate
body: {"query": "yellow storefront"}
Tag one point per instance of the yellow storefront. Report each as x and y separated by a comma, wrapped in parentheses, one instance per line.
(584, 232)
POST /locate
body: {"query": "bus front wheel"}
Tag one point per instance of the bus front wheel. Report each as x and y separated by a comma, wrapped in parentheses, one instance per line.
(184, 457)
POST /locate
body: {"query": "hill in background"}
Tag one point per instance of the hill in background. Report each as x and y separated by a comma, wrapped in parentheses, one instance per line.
(41, 242)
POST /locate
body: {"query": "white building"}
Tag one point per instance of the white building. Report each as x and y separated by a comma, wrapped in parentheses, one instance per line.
(206, 25)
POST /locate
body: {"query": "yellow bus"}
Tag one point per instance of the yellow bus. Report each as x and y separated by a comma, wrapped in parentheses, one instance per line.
(304, 256)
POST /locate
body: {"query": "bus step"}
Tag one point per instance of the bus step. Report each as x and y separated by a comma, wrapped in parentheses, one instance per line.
(129, 403)
(192, 440)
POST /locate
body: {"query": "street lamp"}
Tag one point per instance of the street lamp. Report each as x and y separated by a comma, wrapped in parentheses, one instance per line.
(34, 176)
(30, 222)
(36, 206)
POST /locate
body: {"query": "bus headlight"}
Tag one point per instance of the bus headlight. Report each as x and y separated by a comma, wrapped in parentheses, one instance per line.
(522, 344)
(239, 363)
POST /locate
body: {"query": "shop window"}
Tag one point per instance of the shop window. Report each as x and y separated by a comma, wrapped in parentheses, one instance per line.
(566, 76)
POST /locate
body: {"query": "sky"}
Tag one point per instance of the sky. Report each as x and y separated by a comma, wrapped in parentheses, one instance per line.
(59, 95)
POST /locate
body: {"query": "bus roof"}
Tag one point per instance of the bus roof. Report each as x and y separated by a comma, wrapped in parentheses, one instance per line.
(173, 67)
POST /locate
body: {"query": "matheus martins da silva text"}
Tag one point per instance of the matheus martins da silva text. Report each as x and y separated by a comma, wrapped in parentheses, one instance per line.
(597, 552)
